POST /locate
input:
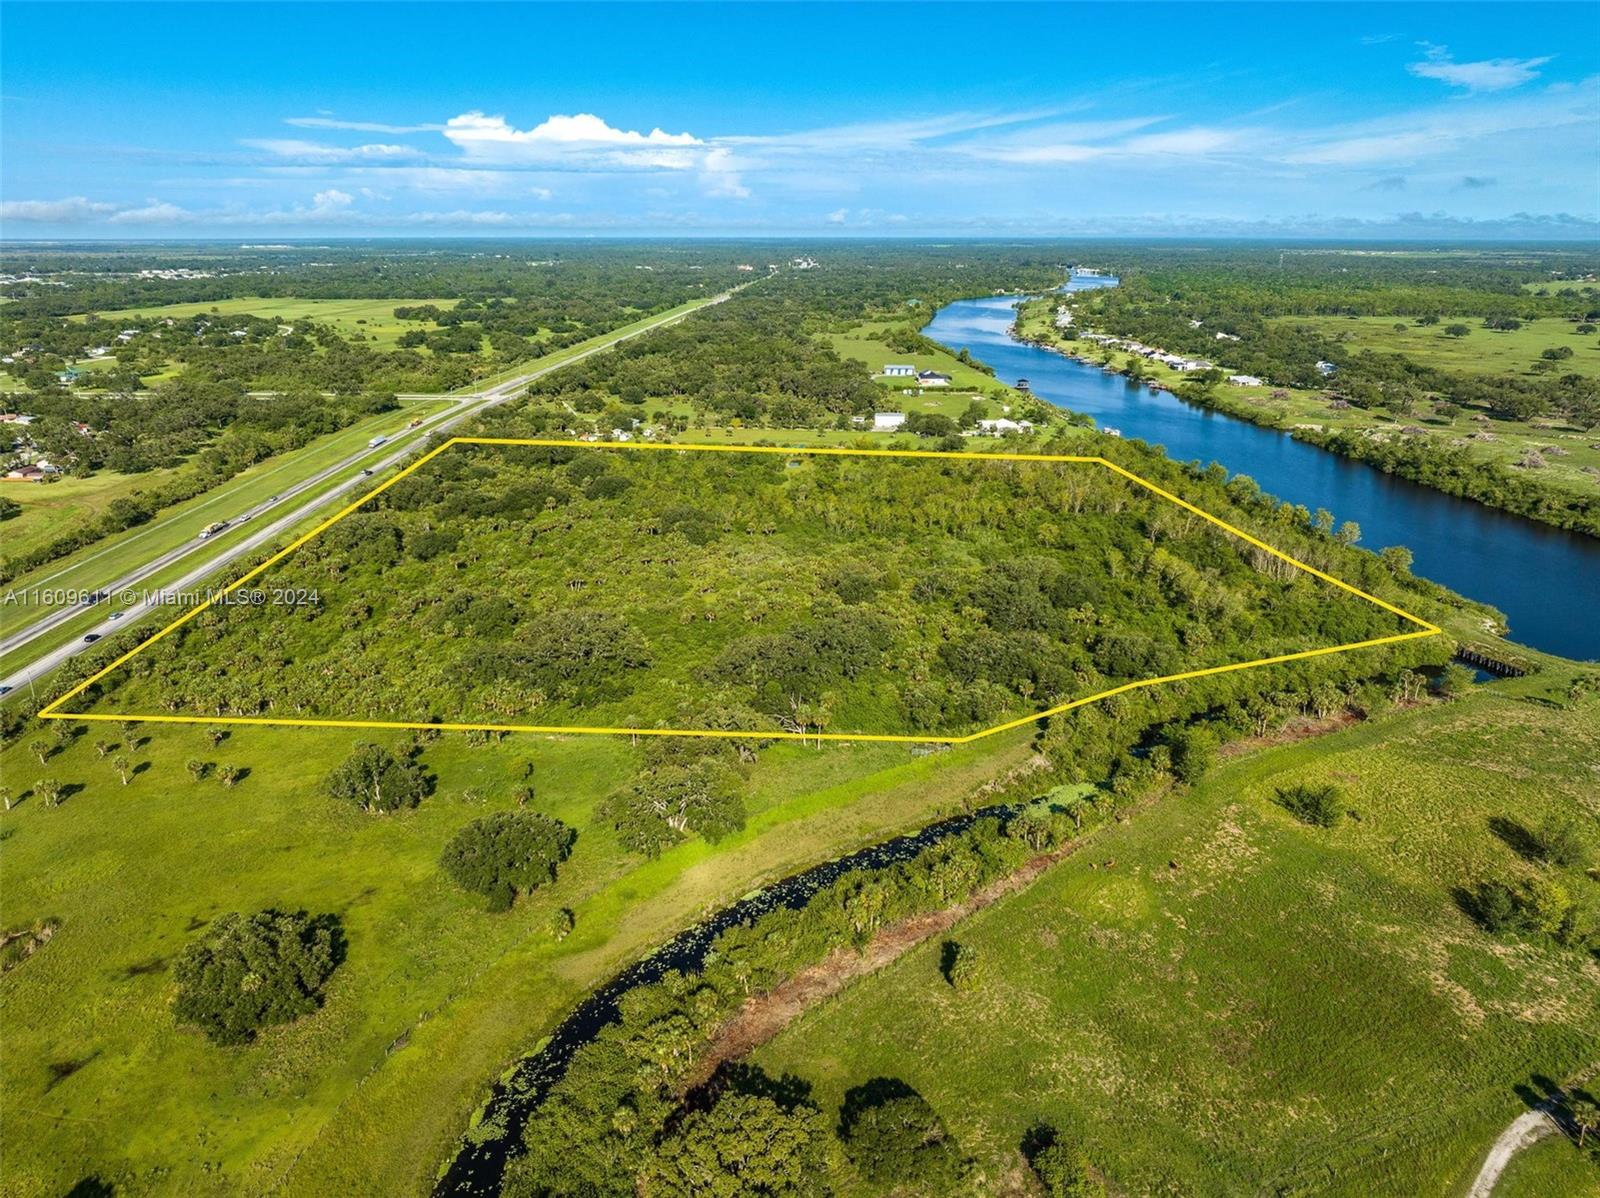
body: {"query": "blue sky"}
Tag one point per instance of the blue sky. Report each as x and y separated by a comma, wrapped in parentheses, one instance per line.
(360, 119)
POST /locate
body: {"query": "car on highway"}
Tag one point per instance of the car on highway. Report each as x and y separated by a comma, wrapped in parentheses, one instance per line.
(5, 690)
(366, 474)
(116, 615)
(91, 638)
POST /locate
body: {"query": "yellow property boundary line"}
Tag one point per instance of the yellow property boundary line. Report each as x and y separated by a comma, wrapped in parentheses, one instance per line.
(53, 712)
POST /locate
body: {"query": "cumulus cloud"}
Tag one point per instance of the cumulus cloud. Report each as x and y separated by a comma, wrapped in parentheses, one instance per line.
(580, 137)
(1489, 75)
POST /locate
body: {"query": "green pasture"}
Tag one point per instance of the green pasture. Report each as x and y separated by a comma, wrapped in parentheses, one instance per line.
(1215, 999)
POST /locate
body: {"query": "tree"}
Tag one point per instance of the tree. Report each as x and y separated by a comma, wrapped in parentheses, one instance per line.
(101, 748)
(701, 797)
(228, 775)
(123, 766)
(377, 781)
(507, 853)
(216, 736)
(1585, 1112)
(1455, 680)
(746, 1146)
(1194, 751)
(1456, 330)
(895, 1138)
(50, 791)
(41, 749)
(197, 769)
(251, 971)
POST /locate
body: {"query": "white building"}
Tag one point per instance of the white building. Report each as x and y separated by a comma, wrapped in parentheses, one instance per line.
(932, 378)
(998, 428)
(1326, 368)
(1244, 380)
(899, 372)
(887, 422)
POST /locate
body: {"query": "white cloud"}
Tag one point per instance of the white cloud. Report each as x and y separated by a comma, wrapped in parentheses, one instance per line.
(1490, 75)
(720, 175)
(69, 211)
(156, 212)
(332, 198)
(581, 137)
(312, 151)
(837, 216)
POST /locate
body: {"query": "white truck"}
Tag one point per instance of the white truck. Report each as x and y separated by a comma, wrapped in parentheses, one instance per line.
(211, 530)
(376, 441)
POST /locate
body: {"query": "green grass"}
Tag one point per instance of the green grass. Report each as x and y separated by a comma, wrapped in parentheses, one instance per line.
(330, 1105)
(1218, 1000)
(372, 318)
(51, 509)
(864, 343)
(1552, 1168)
(1482, 351)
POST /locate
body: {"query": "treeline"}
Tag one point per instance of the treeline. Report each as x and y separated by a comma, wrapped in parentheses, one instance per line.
(216, 429)
(575, 585)
(627, 1115)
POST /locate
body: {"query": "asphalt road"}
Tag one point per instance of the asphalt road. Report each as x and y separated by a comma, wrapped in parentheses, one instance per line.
(208, 563)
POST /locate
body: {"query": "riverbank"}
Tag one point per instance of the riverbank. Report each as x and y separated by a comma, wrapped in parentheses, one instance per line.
(1546, 471)
(1494, 557)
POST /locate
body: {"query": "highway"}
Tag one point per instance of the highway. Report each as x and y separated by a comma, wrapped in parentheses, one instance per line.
(286, 515)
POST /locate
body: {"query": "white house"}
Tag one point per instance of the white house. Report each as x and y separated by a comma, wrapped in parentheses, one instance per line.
(1326, 368)
(1244, 380)
(932, 378)
(899, 372)
(998, 428)
(887, 422)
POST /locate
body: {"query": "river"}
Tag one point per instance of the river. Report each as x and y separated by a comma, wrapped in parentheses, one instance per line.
(1546, 581)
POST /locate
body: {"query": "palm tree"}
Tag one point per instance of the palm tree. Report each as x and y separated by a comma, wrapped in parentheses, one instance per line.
(228, 774)
(41, 750)
(123, 766)
(1585, 1114)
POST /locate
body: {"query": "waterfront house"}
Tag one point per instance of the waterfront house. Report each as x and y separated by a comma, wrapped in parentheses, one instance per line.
(899, 372)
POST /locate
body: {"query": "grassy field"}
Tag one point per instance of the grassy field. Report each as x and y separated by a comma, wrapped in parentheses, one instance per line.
(1482, 351)
(51, 509)
(1218, 1000)
(370, 318)
(1552, 1168)
(436, 995)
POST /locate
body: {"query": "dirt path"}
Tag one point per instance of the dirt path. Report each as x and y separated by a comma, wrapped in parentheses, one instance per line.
(1525, 1130)
(763, 1016)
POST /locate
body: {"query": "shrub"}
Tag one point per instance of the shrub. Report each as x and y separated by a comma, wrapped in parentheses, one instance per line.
(1064, 1171)
(1559, 841)
(1320, 806)
(507, 853)
(961, 965)
(1194, 750)
(377, 781)
(251, 971)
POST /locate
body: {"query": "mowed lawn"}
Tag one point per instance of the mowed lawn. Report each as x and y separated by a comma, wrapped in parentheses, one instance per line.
(373, 318)
(1481, 351)
(1218, 1000)
(436, 998)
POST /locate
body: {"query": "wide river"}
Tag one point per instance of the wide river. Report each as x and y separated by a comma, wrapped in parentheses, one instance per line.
(1546, 581)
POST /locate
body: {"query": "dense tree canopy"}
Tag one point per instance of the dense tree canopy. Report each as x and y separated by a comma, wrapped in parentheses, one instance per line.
(247, 972)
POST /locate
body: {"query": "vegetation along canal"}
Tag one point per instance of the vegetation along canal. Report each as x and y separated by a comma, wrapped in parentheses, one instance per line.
(1546, 581)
